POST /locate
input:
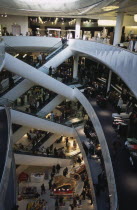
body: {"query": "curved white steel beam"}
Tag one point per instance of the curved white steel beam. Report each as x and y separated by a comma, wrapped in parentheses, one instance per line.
(26, 71)
(31, 121)
(44, 111)
(105, 152)
(121, 61)
(25, 85)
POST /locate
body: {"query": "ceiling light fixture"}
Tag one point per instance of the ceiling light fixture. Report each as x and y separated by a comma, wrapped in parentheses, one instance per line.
(16, 55)
(135, 17)
(106, 22)
(109, 8)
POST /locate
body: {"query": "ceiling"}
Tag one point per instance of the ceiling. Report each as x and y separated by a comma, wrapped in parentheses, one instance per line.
(68, 8)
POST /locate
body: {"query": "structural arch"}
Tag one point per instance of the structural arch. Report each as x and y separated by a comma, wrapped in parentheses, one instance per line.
(122, 62)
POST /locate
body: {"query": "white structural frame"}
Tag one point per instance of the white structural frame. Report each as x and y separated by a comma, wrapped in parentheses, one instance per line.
(120, 61)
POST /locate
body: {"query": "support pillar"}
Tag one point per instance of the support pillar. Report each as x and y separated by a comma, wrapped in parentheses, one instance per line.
(77, 28)
(75, 67)
(118, 28)
(109, 80)
(62, 30)
(117, 38)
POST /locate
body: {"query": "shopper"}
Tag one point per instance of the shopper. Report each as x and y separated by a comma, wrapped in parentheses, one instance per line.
(58, 168)
(40, 58)
(50, 183)
(54, 169)
(56, 204)
(66, 141)
(43, 190)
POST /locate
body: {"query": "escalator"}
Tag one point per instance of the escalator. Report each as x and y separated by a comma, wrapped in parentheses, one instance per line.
(104, 147)
(31, 121)
(34, 76)
(18, 130)
(7, 164)
(51, 53)
(22, 86)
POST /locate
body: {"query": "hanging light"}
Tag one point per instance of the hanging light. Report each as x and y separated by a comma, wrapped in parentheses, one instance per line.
(135, 17)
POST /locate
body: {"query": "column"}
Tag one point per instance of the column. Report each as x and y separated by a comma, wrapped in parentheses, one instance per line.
(109, 80)
(118, 28)
(62, 30)
(75, 67)
(77, 28)
(117, 38)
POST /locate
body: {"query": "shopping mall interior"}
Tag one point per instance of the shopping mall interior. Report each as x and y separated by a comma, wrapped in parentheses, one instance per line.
(68, 105)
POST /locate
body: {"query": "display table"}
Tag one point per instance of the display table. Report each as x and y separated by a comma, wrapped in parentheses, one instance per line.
(37, 177)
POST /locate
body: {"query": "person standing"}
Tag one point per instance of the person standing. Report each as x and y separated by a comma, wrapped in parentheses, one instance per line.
(58, 168)
(132, 43)
(52, 116)
(66, 141)
(120, 103)
(40, 58)
(56, 204)
(50, 71)
(50, 183)
(43, 190)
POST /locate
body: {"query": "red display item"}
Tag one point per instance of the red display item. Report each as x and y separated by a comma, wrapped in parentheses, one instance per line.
(23, 177)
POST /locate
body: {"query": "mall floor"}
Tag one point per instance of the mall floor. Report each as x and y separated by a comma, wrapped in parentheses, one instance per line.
(126, 177)
(47, 197)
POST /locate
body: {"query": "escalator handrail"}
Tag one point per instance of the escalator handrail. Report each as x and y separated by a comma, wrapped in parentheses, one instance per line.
(51, 55)
(54, 46)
